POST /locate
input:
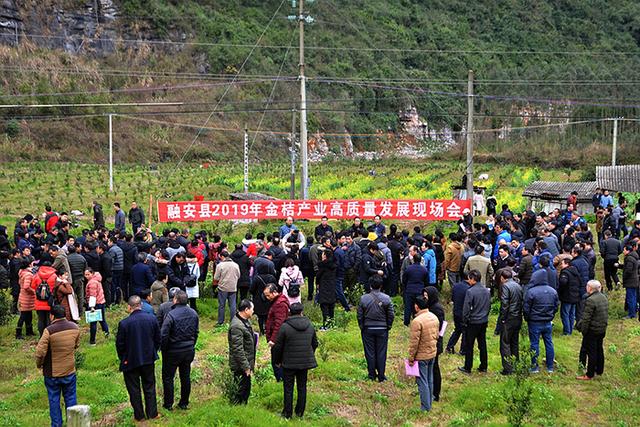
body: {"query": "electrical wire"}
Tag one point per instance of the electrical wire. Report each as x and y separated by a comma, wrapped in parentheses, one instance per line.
(350, 48)
(228, 87)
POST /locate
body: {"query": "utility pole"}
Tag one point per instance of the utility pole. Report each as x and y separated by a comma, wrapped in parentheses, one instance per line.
(615, 142)
(302, 18)
(470, 138)
(304, 175)
(111, 152)
(246, 160)
(293, 155)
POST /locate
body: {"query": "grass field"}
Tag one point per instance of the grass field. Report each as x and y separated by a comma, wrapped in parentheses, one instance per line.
(339, 394)
(28, 186)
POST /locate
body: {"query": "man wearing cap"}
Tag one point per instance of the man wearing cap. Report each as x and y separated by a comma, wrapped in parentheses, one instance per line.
(165, 307)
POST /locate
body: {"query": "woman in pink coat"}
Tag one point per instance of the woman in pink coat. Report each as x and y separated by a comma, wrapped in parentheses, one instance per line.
(95, 301)
(26, 299)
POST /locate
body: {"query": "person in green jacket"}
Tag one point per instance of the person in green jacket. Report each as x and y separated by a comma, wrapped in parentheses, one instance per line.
(593, 326)
(242, 350)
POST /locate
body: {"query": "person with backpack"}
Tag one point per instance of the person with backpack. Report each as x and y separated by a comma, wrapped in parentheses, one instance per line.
(291, 280)
(26, 299)
(95, 301)
(191, 285)
(43, 284)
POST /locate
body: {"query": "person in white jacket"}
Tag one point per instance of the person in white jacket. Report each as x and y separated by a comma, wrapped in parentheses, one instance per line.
(290, 278)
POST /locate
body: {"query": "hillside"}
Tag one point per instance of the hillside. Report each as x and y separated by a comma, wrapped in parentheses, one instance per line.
(536, 64)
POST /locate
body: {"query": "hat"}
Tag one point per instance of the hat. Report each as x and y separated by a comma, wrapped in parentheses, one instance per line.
(466, 211)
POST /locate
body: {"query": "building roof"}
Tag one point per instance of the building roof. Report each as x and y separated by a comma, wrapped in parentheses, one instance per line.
(560, 190)
(250, 196)
(619, 178)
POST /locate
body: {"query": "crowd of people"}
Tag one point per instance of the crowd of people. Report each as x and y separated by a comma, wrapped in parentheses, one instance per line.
(533, 263)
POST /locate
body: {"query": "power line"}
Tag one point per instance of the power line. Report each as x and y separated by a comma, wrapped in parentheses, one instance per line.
(229, 87)
(350, 48)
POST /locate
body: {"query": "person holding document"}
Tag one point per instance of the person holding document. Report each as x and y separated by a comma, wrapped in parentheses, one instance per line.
(423, 341)
(432, 296)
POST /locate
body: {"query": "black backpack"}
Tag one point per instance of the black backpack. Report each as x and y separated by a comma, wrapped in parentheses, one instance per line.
(43, 292)
(293, 290)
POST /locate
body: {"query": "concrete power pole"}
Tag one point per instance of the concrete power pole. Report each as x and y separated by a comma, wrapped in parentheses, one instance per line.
(111, 152)
(614, 149)
(304, 175)
(293, 156)
(246, 160)
(470, 138)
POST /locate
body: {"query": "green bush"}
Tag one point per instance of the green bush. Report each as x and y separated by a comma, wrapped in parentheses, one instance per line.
(5, 307)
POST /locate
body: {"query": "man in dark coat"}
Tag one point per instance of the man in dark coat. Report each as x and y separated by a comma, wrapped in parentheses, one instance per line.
(278, 313)
(294, 352)
(136, 217)
(511, 318)
(475, 317)
(264, 273)
(240, 257)
(326, 282)
(106, 271)
(369, 265)
(77, 265)
(458, 294)
(178, 339)
(593, 326)
(630, 280)
(178, 271)
(242, 350)
(98, 216)
(375, 318)
(610, 250)
(137, 344)
(569, 286)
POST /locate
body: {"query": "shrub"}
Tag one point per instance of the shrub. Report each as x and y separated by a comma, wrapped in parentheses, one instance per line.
(519, 390)
(12, 128)
(227, 383)
(5, 308)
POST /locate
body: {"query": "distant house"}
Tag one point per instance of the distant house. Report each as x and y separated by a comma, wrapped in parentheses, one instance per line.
(545, 196)
(619, 178)
(250, 196)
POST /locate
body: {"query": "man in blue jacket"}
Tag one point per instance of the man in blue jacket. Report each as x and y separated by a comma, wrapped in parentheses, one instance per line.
(540, 305)
(137, 344)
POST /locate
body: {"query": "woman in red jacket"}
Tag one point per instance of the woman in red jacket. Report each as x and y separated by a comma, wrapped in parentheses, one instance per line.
(26, 299)
(45, 274)
(95, 301)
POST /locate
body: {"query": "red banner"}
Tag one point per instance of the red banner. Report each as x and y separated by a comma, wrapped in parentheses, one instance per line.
(426, 210)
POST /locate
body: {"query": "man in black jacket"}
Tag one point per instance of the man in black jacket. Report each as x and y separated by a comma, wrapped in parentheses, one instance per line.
(136, 217)
(475, 317)
(511, 317)
(375, 317)
(458, 294)
(569, 287)
(178, 338)
(370, 266)
(294, 351)
(240, 257)
(106, 271)
(77, 265)
(610, 250)
(137, 344)
(98, 216)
